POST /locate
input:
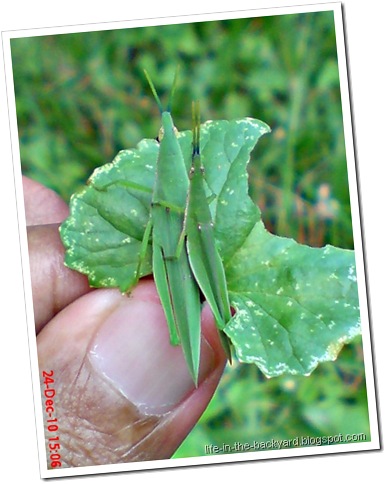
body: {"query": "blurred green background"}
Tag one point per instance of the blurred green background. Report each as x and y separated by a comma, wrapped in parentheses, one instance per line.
(82, 97)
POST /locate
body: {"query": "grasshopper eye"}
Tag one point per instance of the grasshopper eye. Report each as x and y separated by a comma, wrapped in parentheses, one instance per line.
(161, 133)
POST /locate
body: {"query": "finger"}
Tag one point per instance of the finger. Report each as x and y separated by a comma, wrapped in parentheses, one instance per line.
(54, 286)
(42, 205)
(123, 393)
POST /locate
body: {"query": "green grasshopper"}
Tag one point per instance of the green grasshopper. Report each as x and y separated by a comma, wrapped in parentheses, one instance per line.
(204, 257)
(185, 257)
(177, 288)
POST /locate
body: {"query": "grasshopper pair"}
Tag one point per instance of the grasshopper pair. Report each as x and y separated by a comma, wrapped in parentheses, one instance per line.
(184, 255)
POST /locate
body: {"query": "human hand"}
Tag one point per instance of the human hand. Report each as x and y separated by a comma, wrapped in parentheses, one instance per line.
(122, 392)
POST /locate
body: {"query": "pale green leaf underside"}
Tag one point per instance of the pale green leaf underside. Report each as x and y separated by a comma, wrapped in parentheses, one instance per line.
(295, 305)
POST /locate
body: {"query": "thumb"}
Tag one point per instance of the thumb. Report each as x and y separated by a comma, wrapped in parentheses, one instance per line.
(122, 392)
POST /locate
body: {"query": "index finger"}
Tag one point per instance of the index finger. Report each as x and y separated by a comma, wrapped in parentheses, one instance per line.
(54, 286)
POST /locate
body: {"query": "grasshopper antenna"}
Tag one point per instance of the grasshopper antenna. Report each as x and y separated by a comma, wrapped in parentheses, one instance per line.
(156, 97)
(153, 90)
(174, 85)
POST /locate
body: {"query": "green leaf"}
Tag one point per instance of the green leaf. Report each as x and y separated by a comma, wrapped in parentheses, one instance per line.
(107, 221)
(295, 306)
(104, 231)
(225, 151)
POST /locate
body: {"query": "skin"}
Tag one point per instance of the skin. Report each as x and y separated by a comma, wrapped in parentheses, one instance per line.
(108, 353)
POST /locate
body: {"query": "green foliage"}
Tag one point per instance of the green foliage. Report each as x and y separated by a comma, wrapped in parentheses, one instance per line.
(295, 306)
(109, 216)
(282, 323)
(81, 98)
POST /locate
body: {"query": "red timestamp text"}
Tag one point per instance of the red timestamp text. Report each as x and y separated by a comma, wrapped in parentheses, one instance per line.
(52, 427)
